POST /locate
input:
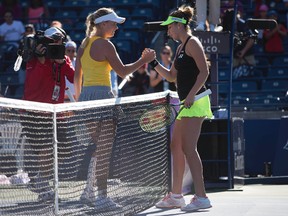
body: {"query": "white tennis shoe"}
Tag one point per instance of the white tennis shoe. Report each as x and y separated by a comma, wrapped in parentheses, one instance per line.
(100, 202)
(88, 196)
(197, 203)
(104, 203)
(171, 202)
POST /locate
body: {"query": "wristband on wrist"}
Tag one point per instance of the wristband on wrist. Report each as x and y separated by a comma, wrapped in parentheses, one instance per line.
(153, 63)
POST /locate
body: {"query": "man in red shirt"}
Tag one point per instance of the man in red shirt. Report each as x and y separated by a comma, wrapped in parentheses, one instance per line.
(45, 82)
(46, 77)
(274, 38)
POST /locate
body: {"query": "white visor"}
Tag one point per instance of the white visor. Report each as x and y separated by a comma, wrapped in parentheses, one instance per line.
(50, 32)
(110, 17)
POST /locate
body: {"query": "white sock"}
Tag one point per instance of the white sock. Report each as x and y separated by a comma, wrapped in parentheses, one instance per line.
(176, 195)
(102, 193)
(201, 198)
(91, 174)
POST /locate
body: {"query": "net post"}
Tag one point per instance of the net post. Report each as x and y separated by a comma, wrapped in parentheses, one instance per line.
(55, 144)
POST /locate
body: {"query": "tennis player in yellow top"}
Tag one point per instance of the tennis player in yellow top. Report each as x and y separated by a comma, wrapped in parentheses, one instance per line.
(95, 59)
(97, 56)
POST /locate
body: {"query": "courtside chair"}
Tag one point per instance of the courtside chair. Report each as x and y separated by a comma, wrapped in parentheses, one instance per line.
(53, 5)
(83, 15)
(223, 74)
(122, 12)
(153, 3)
(128, 3)
(129, 35)
(124, 45)
(80, 26)
(74, 3)
(77, 36)
(274, 85)
(244, 86)
(268, 103)
(144, 13)
(12, 142)
(62, 15)
(280, 61)
(134, 24)
(278, 72)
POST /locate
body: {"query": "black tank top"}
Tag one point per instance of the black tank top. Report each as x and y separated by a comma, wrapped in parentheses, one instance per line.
(187, 72)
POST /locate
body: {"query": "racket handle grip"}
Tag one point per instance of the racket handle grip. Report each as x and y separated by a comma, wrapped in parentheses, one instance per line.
(206, 92)
(70, 95)
(124, 81)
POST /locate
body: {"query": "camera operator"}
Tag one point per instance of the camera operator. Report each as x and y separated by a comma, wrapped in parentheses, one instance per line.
(45, 73)
(46, 70)
(244, 39)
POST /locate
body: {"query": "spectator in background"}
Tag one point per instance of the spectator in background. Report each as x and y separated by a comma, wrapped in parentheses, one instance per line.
(229, 6)
(263, 9)
(13, 6)
(243, 52)
(11, 31)
(70, 51)
(286, 10)
(58, 24)
(139, 82)
(274, 38)
(37, 13)
(157, 82)
(29, 29)
(257, 5)
(214, 15)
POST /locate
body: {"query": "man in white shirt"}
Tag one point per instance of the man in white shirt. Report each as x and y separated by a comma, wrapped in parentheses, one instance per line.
(70, 51)
(11, 31)
(213, 18)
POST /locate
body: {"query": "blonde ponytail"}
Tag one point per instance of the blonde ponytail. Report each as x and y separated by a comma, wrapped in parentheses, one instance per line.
(91, 27)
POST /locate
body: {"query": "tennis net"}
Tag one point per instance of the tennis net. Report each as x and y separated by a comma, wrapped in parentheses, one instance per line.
(55, 159)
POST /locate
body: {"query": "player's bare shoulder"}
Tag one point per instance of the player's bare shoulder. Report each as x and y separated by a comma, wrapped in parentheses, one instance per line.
(103, 43)
(101, 49)
(194, 46)
(194, 41)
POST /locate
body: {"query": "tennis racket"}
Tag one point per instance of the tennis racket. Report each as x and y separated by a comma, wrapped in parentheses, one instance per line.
(124, 81)
(162, 116)
(70, 95)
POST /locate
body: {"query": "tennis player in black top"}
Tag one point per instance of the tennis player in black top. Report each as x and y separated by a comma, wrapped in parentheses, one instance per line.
(190, 71)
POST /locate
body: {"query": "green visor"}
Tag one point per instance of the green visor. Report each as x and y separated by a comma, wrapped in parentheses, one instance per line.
(172, 19)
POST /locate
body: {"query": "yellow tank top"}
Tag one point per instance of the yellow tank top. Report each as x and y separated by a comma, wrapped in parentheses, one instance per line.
(96, 73)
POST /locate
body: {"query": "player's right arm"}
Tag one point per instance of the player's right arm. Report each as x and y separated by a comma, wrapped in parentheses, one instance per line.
(109, 52)
(78, 74)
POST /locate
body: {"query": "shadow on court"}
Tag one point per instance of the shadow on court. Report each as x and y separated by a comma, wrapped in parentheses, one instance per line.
(249, 200)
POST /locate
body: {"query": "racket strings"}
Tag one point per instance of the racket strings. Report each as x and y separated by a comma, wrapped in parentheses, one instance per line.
(158, 118)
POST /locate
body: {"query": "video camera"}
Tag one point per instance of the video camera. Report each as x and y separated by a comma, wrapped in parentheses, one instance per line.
(240, 38)
(30, 42)
(253, 25)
